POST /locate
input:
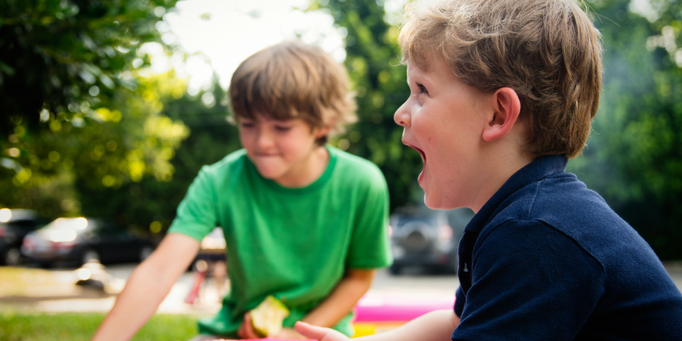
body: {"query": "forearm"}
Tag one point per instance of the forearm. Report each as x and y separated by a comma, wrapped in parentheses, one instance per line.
(139, 300)
(435, 326)
(147, 286)
(342, 299)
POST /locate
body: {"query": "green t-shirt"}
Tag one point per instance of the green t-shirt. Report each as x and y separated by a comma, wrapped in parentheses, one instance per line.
(293, 243)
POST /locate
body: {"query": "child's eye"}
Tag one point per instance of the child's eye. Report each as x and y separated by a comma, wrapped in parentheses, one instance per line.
(422, 89)
(246, 124)
(282, 128)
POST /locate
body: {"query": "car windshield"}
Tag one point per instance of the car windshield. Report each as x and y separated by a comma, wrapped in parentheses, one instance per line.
(68, 224)
(65, 229)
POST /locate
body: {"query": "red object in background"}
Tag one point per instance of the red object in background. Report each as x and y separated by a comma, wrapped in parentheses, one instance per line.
(196, 287)
(29, 243)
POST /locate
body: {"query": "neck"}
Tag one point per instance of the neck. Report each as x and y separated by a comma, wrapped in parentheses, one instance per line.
(308, 171)
(500, 169)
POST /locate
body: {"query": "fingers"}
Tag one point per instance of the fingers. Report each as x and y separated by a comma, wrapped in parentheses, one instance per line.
(289, 334)
(318, 333)
(240, 331)
(246, 329)
(310, 331)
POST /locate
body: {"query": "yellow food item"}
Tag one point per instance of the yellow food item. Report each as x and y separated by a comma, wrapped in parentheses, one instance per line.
(268, 316)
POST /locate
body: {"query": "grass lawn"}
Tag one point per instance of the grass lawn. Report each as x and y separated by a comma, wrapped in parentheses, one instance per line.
(22, 326)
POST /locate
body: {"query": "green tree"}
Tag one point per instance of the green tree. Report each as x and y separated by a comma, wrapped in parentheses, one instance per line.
(151, 204)
(634, 154)
(61, 55)
(77, 111)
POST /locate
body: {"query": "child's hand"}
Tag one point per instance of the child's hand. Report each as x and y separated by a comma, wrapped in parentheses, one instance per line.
(319, 333)
(246, 329)
(288, 334)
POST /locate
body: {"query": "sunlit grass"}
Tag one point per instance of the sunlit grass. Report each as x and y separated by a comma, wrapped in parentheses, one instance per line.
(18, 281)
(21, 326)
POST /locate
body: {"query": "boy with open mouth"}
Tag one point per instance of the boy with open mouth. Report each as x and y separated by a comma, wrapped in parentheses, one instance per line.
(502, 95)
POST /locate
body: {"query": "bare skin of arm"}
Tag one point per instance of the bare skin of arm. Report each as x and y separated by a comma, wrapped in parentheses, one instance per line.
(434, 326)
(335, 307)
(147, 286)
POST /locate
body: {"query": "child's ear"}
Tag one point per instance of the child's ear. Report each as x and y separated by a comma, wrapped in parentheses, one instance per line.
(321, 132)
(506, 109)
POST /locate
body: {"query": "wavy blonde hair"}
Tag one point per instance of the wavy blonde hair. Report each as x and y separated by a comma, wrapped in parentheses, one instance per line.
(293, 80)
(548, 51)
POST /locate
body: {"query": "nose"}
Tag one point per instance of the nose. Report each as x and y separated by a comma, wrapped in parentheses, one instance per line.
(402, 116)
(264, 138)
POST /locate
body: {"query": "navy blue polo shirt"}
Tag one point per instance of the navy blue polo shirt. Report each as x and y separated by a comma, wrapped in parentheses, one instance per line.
(548, 259)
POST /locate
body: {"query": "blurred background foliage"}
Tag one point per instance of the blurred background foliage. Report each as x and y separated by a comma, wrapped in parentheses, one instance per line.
(634, 154)
(77, 113)
(379, 81)
(86, 130)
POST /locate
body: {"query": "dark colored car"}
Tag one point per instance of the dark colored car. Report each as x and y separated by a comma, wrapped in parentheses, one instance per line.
(428, 238)
(14, 225)
(79, 240)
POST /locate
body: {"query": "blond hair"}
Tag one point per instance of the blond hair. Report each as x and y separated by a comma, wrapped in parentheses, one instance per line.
(293, 80)
(548, 51)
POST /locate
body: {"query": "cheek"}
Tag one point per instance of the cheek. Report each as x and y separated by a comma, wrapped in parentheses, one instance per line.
(246, 138)
(297, 142)
(427, 133)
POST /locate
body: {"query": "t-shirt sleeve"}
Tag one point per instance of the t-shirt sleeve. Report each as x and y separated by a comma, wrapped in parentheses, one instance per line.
(370, 244)
(196, 215)
(529, 282)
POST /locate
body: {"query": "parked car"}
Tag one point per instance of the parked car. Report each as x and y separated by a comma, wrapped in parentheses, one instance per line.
(14, 225)
(80, 240)
(428, 238)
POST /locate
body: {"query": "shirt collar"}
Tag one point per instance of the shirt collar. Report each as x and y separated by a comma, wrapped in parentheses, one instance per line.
(532, 172)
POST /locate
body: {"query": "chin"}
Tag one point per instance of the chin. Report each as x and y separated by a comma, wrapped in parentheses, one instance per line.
(269, 174)
(439, 203)
(433, 203)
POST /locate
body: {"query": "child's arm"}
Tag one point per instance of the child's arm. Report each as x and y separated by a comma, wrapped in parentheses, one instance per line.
(342, 299)
(434, 326)
(148, 285)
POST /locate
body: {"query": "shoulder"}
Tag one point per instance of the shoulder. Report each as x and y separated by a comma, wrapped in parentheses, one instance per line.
(561, 201)
(230, 165)
(524, 250)
(556, 210)
(355, 168)
(233, 160)
(560, 209)
(567, 204)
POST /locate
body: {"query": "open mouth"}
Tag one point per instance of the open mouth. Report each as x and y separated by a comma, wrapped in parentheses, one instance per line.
(421, 153)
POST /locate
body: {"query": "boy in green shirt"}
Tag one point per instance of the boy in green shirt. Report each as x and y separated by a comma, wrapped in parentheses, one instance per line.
(303, 221)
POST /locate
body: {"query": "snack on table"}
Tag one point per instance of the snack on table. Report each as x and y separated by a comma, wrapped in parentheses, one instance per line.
(268, 316)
